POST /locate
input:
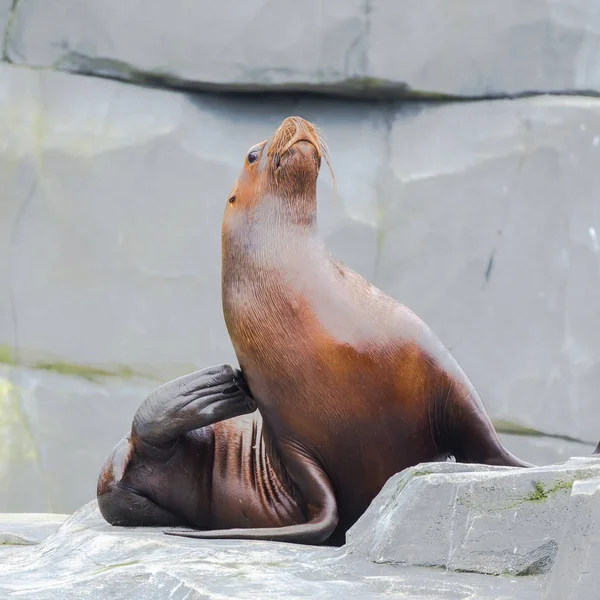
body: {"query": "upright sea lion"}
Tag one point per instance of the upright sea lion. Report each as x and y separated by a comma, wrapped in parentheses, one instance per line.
(351, 386)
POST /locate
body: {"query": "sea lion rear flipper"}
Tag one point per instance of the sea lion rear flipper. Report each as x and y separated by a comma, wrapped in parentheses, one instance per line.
(317, 491)
(597, 450)
(190, 402)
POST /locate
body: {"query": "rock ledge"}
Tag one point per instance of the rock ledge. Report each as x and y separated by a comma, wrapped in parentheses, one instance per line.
(525, 534)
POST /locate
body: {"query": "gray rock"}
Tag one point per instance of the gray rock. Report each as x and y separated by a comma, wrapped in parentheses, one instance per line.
(473, 48)
(255, 44)
(540, 450)
(113, 214)
(490, 231)
(466, 48)
(575, 576)
(495, 520)
(87, 558)
(5, 16)
(28, 528)
(56, 432)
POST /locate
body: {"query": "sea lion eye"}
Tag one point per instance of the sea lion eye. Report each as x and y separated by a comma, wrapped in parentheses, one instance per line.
(253, 156)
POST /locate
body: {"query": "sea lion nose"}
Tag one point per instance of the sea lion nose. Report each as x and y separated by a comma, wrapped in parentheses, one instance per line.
(293, 120)
(296, 129)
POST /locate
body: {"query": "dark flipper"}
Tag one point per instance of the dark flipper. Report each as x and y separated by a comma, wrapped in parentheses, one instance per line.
(191, 402)
(472, 437)
(317, 490)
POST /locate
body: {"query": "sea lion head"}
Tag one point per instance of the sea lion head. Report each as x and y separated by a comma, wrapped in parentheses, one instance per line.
(281, 172)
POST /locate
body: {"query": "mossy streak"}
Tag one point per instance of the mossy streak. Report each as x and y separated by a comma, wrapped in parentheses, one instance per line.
(7, 355)
(91, 373)
(86, 372)
(541, 493)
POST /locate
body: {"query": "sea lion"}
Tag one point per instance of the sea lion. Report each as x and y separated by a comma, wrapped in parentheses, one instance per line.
(352, 385)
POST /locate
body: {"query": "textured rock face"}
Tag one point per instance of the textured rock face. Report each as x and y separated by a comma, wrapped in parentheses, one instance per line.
(87, 558)
(481, 217)
(473, 48)
(5, 12)
(466, 48)
(536, 526)
(56, 432)
(464, 518)
(116, 200)
(576, 573)
(28, 528)
(257, 43)
(491, 234)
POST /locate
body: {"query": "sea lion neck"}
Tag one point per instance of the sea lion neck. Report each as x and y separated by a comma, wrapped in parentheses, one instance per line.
(272, 225)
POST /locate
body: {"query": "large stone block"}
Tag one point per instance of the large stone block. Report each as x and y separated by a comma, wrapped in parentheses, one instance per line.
(112, 217)
(485, 48)
(575, 575)
(465, 48)
(264, 43)
(490, 231)
(5, 17)
(494, 520)
(56, 431)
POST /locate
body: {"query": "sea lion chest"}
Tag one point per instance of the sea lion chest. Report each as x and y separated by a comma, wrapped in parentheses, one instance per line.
(313, 336)
(333, 366)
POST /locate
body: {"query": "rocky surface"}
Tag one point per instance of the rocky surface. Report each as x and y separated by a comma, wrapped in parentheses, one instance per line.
(28, 528)
(363, 47)
(5, 14)
(491, 233)
(576, 574)
(473, 48)
(481, 217)
(87, 558)
(255, 44)
(56, 432)
(494, 520)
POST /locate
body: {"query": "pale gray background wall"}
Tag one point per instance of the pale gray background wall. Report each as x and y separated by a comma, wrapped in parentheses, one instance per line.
(465, 136)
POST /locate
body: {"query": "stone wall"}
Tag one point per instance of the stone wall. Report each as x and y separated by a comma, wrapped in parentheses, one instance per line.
(465, 137)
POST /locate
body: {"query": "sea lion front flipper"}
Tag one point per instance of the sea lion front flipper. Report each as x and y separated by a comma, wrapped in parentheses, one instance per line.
(190, 402)
(597, 450)
(470, 434)
(317, 490)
